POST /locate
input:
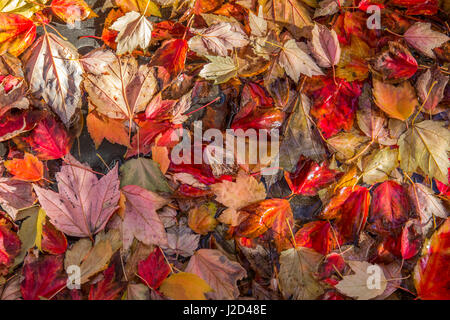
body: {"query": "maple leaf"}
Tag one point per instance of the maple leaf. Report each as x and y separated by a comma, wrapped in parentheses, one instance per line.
(423, 38)
(219, 69)
(430, 277)
(135, 31)
(123, 90)
(235, 195)
(141, 220)
(55, 74)
(84, 204)
(356, 285)
(217, 39)
(398, 102)
(17, 33)
(218, 271)
(185, 286)
(71, 11)
(390, 208)
(43, 277)
(296, 275)
(154, 270)
(425, 146)
(105, 289)
(295, 61)
(29, 168)
(325, 46)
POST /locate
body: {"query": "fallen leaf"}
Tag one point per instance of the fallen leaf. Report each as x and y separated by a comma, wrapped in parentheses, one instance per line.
(398, 102)
(55, 74)
(71, 11)
(135, 31)
(325, 46)
(218, 271)
(296, 275)
(144, 173)
(154, 270)
(141, 220)
(295, 61)
(84, 204)
(357, 285)
(425, 146)
(17, 33)
(201, 218)
(185, 286)
(220, 69)
(30, 168)
(421, 37)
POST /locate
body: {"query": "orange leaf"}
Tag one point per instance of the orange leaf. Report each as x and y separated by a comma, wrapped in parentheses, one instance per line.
(71, 11)
(258, 217)
(398, 102)
(172, 56)
(30, 168)
(17, 33)
(113, 130)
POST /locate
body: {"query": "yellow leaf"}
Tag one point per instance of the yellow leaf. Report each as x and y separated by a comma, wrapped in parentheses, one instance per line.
(139, 6)
(201, 219)
(185, 286)
(24, 7)
(161, 156)
(39, 224)
(398, 102)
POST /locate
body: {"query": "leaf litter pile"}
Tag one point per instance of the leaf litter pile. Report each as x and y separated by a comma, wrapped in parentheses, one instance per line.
(94, 207)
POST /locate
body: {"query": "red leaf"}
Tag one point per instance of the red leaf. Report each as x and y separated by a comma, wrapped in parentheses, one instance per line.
(166, 30)
(309, 177)
(257, 218)
(335, 105)
(390, 208)
(395, 63)
(17, 33)
(411, 240)
(49, 140)
(349, 208)
(154, 270)
(431, 275)
(43, 277)
(107, 288)
(172, 56)
(417, 7)
(316, 235)
(15, 123)
(53, 241)
(9, 245)
(260, 120)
